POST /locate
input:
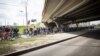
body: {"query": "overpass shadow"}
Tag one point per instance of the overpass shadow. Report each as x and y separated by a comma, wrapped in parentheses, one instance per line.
(95, 34)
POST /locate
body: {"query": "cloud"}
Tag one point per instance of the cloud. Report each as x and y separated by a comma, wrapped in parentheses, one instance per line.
(14, 10)
(2, 16)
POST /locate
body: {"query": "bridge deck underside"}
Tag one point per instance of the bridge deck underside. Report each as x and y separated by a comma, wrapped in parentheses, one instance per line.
(89, 11)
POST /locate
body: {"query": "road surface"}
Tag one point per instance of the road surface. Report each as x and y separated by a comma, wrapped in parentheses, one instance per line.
(86, 45)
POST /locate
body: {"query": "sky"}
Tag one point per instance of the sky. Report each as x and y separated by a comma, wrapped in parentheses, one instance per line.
(95, 22)
(13, 11)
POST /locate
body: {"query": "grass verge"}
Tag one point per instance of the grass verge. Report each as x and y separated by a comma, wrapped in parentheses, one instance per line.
(6, 45)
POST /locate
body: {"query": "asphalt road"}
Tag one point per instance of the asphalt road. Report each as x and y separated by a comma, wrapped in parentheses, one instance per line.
(86, 45)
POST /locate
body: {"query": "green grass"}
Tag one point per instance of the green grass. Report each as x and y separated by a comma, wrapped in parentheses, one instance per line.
(5, 49)
(5, 45)
(20, 40)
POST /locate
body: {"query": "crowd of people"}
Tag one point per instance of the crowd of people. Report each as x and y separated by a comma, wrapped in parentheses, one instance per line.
(39, 31)
(7, 32)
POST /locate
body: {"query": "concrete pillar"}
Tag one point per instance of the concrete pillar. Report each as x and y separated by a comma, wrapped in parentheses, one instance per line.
(57, 25)
(77, 25)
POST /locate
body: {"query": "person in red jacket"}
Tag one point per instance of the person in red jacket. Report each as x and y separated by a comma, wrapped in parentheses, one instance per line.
(5, 34)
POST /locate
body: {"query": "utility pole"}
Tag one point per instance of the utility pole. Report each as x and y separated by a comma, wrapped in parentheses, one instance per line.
(26, 6)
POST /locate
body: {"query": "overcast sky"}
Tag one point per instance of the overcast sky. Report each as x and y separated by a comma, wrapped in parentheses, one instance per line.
(14, 11)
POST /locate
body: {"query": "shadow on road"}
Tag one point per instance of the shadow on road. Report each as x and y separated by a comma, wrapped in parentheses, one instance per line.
(95, 34)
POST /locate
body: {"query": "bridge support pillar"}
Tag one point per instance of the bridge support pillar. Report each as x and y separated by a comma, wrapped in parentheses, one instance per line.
(57, 25)
(77, 25)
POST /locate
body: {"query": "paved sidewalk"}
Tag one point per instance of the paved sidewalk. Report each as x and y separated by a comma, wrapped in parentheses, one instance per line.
(48, 39)
(61, 36)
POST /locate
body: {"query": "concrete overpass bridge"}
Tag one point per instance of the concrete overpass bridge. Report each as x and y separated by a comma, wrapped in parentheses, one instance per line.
(63, 12)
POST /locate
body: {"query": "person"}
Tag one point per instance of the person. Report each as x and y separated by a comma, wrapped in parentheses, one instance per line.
(5, 34)
(11, 33)
(16, 30)
(0, 33)
(30, 31)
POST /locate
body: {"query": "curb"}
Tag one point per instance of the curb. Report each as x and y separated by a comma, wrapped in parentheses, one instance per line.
(39, 47)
